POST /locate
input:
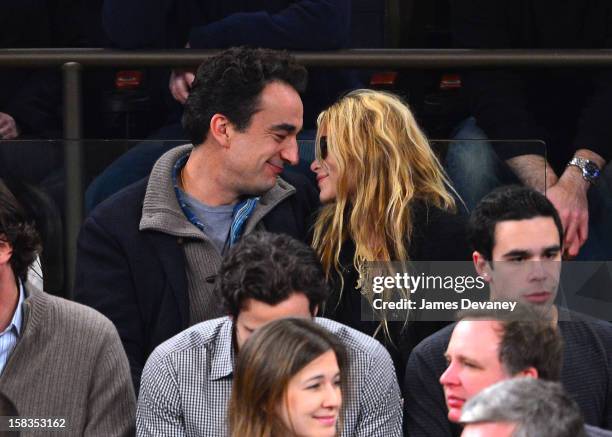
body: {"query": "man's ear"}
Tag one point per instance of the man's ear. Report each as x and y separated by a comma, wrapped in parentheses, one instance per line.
(529, 372)
(6, 251)
(220, 129)
(482, 266)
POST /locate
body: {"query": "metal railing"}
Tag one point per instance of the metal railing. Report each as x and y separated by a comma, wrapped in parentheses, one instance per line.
(73, 61)
(357, 58)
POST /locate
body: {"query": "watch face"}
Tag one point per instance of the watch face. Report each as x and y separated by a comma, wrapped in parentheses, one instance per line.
(591, 171)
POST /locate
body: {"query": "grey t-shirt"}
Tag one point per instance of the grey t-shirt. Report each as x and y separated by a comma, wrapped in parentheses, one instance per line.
(217, 220)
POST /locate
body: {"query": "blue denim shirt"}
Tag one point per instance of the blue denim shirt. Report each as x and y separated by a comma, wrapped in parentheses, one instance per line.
(10, 336)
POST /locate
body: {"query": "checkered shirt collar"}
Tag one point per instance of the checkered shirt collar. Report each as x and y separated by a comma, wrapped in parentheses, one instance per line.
(222, 360)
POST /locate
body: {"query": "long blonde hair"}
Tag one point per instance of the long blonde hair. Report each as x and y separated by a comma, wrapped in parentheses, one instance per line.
(385, 163)
(264, 367)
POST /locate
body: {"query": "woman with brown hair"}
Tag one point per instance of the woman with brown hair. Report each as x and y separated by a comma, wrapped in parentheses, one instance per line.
(288, 381)
(386, 198)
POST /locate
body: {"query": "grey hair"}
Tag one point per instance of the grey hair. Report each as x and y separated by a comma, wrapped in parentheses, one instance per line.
(538, 408)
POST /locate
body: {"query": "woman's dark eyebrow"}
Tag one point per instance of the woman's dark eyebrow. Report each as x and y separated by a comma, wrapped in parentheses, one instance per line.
(313, 378)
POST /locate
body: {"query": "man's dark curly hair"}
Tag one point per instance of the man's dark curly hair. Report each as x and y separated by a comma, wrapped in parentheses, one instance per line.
(510, 202)
(18, 232)
(269, 268)
(231, 83)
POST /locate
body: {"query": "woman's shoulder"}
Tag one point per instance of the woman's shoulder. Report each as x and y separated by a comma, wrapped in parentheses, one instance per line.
(438, 234)
(424, 212)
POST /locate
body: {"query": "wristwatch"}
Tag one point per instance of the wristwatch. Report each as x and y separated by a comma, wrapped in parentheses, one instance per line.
(590, 170)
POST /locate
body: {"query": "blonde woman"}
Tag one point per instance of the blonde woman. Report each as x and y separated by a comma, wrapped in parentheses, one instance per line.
(386, 198)
(288, 382)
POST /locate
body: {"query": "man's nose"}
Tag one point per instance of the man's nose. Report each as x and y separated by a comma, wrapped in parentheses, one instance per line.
(291, 153)
(449, 377)
(537, 270)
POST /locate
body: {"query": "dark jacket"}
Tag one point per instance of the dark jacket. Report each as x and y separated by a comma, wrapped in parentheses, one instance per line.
(437, 236)
(137, 278)
(206, 24)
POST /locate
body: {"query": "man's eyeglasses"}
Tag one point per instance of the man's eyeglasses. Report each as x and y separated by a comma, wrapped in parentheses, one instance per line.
(323, 147)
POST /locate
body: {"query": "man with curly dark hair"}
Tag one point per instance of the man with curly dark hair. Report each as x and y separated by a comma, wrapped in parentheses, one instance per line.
(58, 359)
(148, 256)
(187, 381)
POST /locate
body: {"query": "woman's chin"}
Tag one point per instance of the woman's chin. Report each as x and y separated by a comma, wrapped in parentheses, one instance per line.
(325, 199)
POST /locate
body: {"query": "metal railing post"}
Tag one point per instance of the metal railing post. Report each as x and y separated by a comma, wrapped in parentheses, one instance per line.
(73, 164)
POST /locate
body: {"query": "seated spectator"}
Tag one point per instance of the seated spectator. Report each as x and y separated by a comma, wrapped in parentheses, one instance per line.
(288, 381)
(58, 359)
(518, 225)
(499, 347)
(567, 108)
(526, 407)
(517, 238)
(218, 24)
(386, 198)
(187, 381)
(147, 258)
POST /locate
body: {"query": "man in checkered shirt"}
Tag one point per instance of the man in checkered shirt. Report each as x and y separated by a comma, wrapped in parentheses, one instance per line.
(187, 381)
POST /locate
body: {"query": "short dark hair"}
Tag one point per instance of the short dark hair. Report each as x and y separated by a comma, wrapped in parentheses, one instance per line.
(526, 340)
(18, 231)
(536, 407)
(269, 268)
(511, 202)
(231, 83)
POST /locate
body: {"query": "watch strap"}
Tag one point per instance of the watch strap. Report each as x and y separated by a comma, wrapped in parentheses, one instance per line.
(590, 170)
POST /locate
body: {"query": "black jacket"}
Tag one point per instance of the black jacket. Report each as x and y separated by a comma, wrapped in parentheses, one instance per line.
(137, 278)
(437, 236)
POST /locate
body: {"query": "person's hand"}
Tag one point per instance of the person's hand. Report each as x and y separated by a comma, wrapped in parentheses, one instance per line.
(8, 127)
(569, 195)
(180, 83)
